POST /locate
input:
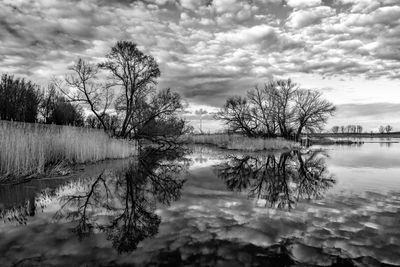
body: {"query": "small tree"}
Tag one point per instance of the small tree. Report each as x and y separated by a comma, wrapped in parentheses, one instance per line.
(381, 129)
(201, 112)
(335, 129)
(388, 128)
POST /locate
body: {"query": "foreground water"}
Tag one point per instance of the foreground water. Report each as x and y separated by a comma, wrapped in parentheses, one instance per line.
(335, 205)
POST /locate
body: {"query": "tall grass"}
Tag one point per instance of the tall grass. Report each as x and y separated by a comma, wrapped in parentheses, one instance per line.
(240, 142)
(27, 148)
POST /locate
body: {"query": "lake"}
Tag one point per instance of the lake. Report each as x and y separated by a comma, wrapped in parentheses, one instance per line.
(321, 206)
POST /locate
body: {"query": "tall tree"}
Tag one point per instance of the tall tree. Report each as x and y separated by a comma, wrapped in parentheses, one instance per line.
(135, 73)
(284, 95)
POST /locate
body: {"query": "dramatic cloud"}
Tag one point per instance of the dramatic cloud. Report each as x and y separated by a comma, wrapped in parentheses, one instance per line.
(210, 49)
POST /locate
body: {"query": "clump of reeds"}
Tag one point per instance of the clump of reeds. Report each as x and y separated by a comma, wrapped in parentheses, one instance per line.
(27, 148)
(244, 143)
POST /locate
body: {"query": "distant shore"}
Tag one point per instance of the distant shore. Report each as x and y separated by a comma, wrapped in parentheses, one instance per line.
(357, 135)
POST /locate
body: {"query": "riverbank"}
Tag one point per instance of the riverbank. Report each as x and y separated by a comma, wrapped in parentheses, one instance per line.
(29, 149)
(239, 142)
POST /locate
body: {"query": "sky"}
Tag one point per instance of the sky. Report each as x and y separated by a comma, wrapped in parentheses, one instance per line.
(209, 50)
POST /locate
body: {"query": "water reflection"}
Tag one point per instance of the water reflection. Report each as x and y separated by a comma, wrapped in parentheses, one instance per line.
(122, 203)
(280, 180)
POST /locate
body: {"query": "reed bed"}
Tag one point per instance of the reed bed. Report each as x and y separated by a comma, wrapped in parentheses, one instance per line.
(239, 142)
(28, 148)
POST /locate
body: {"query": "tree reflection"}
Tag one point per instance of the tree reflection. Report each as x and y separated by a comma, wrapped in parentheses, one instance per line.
(122, 203)
(281, 180)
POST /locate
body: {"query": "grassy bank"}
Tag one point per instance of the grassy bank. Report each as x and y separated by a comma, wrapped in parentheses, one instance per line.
(27, 149)
(239, 142)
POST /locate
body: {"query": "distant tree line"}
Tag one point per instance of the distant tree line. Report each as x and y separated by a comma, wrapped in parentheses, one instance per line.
(354, 129)
(280, 108)
(385, 129)
(358, 129)
(125, 104)
(22, 100)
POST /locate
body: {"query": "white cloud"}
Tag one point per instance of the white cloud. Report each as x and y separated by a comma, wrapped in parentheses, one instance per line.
(303, 3)
(304, 18)
(247, 35)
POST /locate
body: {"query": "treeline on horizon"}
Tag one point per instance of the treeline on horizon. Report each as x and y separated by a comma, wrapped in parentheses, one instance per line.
(358, 129)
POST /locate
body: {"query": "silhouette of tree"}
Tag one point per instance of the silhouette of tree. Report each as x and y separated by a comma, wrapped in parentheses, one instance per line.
(280, 108)
(128, 198)
(388, 128)
(280, 180)
(87, 90)
(19, 99)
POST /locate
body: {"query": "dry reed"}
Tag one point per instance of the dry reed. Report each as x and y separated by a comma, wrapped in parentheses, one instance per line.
(27, 148)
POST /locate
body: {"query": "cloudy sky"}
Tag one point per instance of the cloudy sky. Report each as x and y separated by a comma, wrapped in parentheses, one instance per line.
(211, 49)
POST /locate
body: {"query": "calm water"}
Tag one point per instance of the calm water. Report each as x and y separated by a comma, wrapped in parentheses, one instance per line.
(334, 205)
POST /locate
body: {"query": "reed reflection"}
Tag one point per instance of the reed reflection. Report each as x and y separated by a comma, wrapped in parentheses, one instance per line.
(281, 180)
(122, 203)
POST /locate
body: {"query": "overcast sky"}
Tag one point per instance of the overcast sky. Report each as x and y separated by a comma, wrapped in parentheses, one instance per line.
(211, 49)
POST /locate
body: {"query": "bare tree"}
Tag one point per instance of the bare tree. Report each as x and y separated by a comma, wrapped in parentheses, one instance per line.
(284, 107)
(135, 73)
(264, 106)
(359, 129)
(312, 111)
(335, 129)
(86, 90)
(381, 129)
(236, 115)
(388, 128)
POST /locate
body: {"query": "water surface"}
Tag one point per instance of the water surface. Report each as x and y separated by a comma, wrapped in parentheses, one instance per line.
(324, 206)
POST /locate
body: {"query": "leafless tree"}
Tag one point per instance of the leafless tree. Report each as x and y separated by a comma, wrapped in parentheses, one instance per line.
(264, 106)
(236, 114)
(83, 87)
(280, 108)
(388, 128)
(312, 111)
(135, 73)
(381, 129)
(284, 108)
(335, 129)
